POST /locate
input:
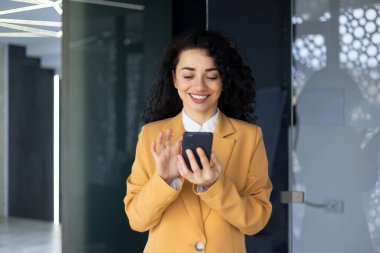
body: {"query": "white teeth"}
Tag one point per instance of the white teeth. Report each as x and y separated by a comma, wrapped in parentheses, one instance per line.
(198, 96)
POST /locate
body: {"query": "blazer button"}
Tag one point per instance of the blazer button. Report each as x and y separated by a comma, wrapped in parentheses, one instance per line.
(199, 246)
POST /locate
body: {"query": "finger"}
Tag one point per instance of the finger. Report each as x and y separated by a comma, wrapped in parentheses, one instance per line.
(204, 160)
(153, 149)
(207, 172)
(159, 142)
(178, 144)
(183, 170)
(168, 134)
(180, 169)
(193, 162)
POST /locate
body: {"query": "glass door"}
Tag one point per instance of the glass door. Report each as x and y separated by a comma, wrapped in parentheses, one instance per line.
(110, 52)
(335, 133)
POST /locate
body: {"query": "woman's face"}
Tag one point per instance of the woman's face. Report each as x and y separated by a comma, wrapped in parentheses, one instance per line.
(198, 83)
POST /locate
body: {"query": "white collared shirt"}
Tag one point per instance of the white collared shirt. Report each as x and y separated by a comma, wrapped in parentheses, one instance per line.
(191, 126)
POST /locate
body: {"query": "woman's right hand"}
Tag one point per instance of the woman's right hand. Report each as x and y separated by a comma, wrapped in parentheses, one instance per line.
(165, 155)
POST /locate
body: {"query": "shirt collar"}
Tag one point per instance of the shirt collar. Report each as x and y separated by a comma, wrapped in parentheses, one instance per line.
(191, 126)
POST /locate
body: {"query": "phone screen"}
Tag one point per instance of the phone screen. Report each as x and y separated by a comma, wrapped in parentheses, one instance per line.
(193, 140)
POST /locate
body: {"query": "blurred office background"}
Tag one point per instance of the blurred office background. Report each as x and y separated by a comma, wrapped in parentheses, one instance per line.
(74, 75)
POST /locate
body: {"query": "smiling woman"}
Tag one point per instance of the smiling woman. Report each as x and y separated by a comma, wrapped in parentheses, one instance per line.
(238, 97)
(203, 85)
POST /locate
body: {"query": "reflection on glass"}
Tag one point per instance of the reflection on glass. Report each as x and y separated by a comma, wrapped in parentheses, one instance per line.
(310, 50)
(336, 137)
(360, 49)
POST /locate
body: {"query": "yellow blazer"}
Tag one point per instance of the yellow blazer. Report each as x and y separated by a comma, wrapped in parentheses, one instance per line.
(185, 221)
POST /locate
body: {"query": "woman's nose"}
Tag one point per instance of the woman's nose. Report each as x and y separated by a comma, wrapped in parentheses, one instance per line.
(200, 83)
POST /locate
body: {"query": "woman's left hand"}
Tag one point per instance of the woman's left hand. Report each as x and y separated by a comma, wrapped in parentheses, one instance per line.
(204, 177)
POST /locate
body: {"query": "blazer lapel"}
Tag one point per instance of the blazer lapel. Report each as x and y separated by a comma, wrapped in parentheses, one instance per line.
(176, 125)
(222, 145)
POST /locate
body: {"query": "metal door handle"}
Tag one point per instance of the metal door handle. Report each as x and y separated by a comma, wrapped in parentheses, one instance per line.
(291, 197)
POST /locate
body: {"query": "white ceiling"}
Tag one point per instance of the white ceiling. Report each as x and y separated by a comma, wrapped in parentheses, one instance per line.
(48, 49)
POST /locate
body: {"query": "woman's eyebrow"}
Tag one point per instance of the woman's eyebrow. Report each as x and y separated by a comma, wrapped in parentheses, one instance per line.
(188, 68)
(193, 69)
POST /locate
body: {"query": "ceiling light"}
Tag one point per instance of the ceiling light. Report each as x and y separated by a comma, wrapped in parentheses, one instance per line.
(31, 30)
(31, 22)
(28, 8)
(19, 35)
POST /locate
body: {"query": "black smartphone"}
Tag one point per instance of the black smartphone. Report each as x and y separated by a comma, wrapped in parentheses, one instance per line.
(193, 140)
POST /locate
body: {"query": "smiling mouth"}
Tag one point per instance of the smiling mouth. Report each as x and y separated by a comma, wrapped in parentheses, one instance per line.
(198, 98)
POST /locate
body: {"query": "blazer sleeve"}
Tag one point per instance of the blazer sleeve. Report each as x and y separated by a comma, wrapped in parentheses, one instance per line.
(250, 210)
(147, 196)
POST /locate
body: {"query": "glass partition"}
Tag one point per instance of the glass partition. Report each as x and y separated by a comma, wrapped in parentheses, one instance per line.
(110, 52)
(336, 123)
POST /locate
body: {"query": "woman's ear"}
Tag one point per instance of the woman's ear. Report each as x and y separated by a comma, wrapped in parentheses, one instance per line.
(174, 79)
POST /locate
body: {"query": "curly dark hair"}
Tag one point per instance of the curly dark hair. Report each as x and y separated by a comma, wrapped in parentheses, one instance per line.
(237, 99)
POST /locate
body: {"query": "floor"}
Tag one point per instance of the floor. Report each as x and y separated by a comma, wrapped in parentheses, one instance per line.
(29, 236)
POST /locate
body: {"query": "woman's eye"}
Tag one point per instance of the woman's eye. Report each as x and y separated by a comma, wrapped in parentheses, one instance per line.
(187, 77)
(212, 77)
